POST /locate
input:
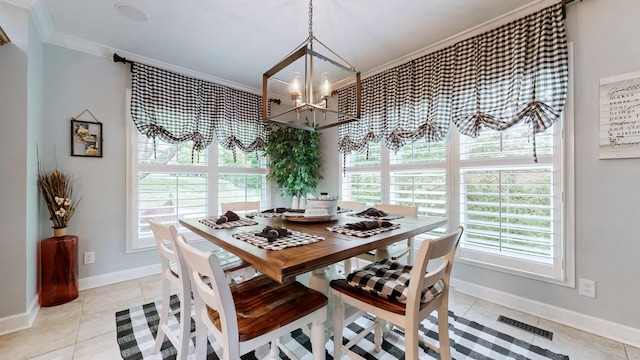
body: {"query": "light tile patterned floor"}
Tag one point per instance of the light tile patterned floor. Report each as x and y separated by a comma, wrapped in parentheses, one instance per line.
(85, 327)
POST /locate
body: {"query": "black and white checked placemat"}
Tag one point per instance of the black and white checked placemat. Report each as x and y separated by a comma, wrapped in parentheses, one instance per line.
(295, 239)
(137, 327)
(341, 229)
(229, 224)
(268, 215)
(387, 217)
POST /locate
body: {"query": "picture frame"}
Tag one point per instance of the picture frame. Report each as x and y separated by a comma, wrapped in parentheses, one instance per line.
(86, 138)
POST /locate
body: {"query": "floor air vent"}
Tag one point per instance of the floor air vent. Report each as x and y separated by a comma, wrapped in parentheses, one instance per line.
(526, 327)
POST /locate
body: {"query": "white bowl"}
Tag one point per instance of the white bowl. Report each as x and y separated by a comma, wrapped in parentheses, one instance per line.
(326, 207)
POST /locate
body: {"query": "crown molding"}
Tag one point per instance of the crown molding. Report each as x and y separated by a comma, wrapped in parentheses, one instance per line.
(48, 35)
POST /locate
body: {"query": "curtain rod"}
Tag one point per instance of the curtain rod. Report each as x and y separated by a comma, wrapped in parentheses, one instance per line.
(118, 58)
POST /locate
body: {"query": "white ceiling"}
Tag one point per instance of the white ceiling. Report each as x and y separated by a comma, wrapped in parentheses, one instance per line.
(238, 40)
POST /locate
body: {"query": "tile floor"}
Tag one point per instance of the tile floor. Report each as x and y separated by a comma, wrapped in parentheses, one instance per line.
(85, 327)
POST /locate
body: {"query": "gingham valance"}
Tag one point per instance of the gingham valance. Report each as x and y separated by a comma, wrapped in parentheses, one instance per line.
(515, 73)
(177, 108)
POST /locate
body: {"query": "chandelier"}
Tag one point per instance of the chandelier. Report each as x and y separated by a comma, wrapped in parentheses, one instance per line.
(309, 78)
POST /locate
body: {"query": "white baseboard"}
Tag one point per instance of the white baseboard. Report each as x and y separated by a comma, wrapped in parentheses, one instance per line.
(24, 320)
(118, 276)
(614, 331)
(21, 321)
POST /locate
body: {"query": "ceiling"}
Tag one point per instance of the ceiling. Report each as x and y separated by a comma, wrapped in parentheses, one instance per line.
(237, 41)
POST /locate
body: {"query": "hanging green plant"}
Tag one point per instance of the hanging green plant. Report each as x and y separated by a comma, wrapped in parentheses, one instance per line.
(294, 159)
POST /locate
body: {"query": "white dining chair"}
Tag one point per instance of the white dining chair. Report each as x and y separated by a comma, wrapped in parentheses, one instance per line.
(248, 315)
(166, 237)
(407, 306)
(351, 205)
(241, 206)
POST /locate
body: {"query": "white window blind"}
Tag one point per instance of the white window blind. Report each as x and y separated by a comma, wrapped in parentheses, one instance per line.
(509, 205)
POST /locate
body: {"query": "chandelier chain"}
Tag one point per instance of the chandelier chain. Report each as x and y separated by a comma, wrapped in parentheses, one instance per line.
(310, 20)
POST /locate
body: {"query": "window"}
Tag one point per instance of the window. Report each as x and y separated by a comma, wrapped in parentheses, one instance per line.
(512, 207)
(169, 182)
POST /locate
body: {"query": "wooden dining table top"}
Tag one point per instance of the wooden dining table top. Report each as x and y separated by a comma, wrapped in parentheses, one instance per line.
(284, 265)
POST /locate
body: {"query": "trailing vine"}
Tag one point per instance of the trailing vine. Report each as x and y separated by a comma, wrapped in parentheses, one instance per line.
(294, 159)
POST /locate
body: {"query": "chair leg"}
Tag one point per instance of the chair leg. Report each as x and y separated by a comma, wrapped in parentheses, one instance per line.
(185, 327)
(274, 354)
(412, 340)
(377, 335)
(338, 324)
(201, 332)
(443, 331)
(164, 314)
(317, 339)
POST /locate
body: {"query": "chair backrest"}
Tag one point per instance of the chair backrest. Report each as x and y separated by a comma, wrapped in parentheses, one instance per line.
(166, 237)
(398, 209)
(240, 206)
(443, 248)
(211, 289)
(352, 205)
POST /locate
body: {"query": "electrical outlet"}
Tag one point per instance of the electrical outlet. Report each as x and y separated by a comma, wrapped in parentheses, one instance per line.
(89, 257)
(588, 288)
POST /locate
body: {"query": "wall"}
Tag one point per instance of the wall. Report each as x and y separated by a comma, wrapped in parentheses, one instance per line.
(13, 173)
(13, 105)
(76, 81)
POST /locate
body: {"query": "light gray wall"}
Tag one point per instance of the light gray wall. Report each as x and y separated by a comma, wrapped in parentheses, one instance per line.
(73, 82)
(13, 157)
(34, 138)
(13, 115)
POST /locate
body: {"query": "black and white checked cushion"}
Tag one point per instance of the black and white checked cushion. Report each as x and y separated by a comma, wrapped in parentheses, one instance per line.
(341, 229)
(390, 280)
(211, 222)
(295, 239)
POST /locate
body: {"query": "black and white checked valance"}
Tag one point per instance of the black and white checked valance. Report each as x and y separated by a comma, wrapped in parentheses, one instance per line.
(177, 108)
(512, 74)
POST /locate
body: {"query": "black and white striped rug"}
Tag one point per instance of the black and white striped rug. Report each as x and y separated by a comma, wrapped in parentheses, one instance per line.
(136, 331)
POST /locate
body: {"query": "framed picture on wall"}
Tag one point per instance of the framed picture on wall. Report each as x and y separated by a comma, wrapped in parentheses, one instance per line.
(86, 138)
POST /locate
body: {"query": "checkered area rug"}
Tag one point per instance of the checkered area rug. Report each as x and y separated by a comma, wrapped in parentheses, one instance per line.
(229, 224)
(341, 229)
(295, 239)
(137, 328)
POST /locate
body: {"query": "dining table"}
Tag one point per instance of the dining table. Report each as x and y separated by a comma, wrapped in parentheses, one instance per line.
(311, 263)
(284, 265)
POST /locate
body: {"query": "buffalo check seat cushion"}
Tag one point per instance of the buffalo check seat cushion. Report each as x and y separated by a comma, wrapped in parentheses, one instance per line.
(390, 280)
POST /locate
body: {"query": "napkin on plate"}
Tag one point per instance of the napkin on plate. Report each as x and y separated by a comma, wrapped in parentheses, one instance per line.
(228, 216)
(272, 233)
(373, 212)
(367, 225)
